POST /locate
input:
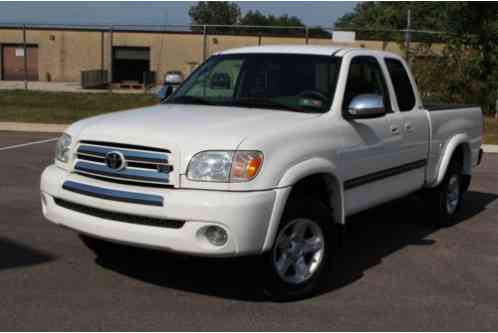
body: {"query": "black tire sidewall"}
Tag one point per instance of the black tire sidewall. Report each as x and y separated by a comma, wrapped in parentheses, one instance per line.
(445, 218)
(314, 210)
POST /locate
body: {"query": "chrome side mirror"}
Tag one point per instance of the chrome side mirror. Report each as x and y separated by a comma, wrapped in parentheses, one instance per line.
(366, 106)
(164, 93)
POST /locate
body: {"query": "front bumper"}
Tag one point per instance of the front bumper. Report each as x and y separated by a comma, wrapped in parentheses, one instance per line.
(246, 216)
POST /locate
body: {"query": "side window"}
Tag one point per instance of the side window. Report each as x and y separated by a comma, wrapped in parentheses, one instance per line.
(402, 85)
(365, 77)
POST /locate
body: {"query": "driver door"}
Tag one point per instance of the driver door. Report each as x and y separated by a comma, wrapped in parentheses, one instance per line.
(371, 144)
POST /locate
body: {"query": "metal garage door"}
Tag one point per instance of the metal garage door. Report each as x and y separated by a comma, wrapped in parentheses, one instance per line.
(13, 63)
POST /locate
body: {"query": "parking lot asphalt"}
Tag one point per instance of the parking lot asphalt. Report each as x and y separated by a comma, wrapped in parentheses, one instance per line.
(394, 271)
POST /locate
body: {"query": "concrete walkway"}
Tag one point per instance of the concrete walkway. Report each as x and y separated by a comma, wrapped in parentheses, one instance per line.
(32, 127)
(490, 148)
(73, 87)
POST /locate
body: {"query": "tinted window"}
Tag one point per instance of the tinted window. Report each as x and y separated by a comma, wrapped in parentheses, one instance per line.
(365, 77)
(303, 83)
(402, 85)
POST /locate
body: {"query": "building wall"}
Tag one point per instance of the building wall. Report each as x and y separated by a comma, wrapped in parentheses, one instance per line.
(63, 54)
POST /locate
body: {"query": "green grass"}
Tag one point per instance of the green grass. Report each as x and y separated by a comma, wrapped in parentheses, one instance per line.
(491, 131)
(64, 108)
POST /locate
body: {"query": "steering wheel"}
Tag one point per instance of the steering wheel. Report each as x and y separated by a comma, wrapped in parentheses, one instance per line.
(313, 93)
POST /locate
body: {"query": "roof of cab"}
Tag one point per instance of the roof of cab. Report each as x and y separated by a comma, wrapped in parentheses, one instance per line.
(306, 49)
(289, 49)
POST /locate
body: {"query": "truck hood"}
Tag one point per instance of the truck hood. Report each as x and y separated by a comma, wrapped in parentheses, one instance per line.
(185, 128)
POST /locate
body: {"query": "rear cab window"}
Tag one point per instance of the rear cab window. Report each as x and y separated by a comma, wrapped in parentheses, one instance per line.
(402, 85)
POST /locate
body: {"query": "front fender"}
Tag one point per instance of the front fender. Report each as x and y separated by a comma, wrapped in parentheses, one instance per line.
(307, 168)
(293, 175)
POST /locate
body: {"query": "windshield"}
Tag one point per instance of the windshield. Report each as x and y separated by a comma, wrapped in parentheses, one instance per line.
(291, 82)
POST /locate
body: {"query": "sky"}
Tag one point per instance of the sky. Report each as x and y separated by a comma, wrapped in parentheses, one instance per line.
(157, 13)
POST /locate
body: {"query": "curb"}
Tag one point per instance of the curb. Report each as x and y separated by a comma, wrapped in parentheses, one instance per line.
(32, 127)
(58, 128)
(490, 148)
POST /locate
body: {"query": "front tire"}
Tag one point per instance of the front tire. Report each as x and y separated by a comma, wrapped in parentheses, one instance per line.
(302, 252)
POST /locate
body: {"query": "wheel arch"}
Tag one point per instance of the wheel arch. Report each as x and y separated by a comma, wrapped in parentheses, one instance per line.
(458, 147)
(315, 176)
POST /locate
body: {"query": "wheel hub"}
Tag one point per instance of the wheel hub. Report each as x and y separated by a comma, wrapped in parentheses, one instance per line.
(453, 194)
(299, 251)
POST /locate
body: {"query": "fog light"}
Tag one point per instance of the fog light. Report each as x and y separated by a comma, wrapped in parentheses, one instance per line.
(216, 235)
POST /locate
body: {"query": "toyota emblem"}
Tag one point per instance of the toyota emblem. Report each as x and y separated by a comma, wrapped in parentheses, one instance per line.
(115, 160)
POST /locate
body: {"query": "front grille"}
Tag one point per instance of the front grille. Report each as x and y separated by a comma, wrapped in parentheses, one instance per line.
(119, 217)
(143, 165)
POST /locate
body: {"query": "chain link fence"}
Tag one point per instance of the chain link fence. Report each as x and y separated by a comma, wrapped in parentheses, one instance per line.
(138, 58)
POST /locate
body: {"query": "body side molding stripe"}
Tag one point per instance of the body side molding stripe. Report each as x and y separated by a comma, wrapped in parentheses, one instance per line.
(373, 177)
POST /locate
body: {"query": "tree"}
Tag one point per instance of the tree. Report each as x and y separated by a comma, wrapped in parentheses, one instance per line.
(469, 29)
(477, 28)
(256, 18)
(215, 12)
(392, 15)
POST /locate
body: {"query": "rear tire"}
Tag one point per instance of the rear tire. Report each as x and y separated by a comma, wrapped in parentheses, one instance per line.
(445, 200)
(302, 252)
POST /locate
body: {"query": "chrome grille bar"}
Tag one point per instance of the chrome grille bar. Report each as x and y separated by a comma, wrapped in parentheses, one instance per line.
(127, 174)
(142, 165)
(130, 155)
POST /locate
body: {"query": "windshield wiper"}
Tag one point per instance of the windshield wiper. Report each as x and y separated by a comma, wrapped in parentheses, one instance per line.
(265, 103)
(190, 100)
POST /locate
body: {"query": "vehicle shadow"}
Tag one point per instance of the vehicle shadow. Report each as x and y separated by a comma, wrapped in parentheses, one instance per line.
(13, 254)
(369, 238)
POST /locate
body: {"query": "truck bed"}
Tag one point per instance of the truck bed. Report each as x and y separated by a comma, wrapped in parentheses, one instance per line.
(452, 121)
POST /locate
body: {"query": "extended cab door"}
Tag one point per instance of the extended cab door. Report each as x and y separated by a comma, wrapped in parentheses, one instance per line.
(412, 120)
(370, 154)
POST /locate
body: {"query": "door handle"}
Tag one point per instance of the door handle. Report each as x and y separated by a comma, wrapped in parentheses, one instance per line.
(395, 130)
(409, 128)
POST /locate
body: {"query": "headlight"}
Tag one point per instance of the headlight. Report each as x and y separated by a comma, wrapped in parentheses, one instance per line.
(62, 148)
(225, 166)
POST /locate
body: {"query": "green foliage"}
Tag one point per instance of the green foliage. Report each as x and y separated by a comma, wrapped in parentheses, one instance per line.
(215, 12)
(469, 60)
(258, 18)
(228, 13)
(392, 15)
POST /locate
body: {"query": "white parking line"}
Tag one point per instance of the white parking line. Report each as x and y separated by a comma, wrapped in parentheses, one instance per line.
(28, 144)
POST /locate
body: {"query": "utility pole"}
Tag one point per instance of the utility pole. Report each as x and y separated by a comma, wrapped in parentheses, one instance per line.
(408, 33)
(25, 50)
(111, 58)
(204, 42)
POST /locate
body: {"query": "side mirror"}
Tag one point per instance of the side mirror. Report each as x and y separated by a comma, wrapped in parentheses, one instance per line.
(366, 106)
(164, 93)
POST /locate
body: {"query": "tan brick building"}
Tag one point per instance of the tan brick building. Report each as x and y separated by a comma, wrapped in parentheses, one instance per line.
(61, 54)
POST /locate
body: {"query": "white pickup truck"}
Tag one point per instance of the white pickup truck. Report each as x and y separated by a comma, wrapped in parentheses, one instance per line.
(263, 150)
